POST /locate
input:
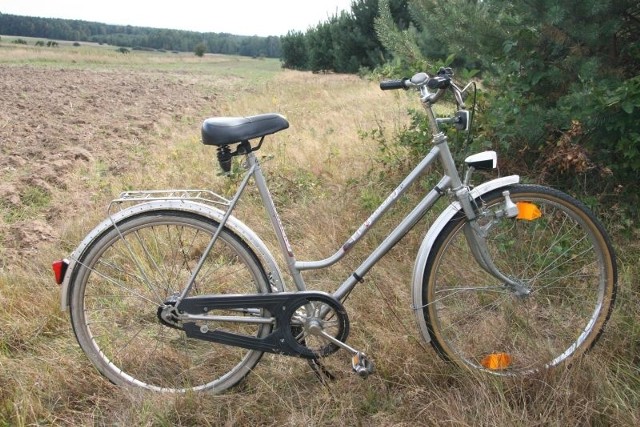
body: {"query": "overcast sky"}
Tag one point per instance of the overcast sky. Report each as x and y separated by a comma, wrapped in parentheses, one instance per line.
(239, 17)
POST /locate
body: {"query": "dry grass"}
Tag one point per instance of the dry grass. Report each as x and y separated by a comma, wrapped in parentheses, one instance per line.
(320, 181)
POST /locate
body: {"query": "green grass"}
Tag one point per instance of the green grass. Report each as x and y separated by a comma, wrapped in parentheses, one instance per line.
(33, 201)
(100, 57)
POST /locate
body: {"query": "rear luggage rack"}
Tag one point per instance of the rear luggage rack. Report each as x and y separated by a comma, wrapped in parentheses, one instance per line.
(129, 198)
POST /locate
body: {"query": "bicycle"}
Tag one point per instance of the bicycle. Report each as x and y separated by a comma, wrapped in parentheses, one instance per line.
(173, 293)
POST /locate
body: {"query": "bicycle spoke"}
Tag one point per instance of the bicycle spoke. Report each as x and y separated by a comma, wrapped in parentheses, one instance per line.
(131, 272)
(556, 256)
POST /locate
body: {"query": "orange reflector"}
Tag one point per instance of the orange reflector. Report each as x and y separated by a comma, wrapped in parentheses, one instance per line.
(59, 270)
(496, 361)
(528, 211)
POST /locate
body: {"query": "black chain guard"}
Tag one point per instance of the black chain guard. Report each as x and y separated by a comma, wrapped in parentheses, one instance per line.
(281, 305)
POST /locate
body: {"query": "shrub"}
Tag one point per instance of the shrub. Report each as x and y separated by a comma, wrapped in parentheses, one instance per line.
(200, 49)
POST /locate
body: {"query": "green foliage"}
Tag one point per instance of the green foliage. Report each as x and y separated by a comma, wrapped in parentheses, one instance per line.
(560, 82)
(345, 43)
(200, 49)
(416, 136)
(321, 54)
(397, 41)
(294, 51)
(615, 110)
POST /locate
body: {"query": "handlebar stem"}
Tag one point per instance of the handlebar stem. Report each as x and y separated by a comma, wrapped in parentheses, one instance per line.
(433, 121)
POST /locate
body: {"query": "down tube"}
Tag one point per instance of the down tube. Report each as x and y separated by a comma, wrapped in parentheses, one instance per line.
(392, 239)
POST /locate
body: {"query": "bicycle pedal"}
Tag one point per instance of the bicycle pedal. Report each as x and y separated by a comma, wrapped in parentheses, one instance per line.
(362, 365)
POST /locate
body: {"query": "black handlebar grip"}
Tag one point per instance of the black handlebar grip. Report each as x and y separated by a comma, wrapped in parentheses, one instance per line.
(393, 84)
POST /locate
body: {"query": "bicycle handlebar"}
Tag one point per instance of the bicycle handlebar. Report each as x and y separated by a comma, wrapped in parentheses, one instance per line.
(394, 84)
(423, 82)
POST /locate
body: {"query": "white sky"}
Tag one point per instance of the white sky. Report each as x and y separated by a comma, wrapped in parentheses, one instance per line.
(239, 17)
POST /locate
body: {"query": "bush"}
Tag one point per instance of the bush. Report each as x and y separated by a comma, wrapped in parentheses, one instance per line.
(561, 83)
(200, 49)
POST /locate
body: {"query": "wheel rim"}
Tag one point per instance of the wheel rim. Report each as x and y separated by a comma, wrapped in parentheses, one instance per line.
(480, 323)
(142, 266)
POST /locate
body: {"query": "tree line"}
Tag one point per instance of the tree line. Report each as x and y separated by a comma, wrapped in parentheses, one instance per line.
(139, 37)
(345, 43)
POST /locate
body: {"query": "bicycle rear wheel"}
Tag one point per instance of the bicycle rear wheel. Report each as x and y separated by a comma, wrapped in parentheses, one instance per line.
(131, 270)
(560, 253)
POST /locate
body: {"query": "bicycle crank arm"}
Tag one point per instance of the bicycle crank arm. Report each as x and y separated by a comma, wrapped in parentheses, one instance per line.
(360, 363)
(281, 307)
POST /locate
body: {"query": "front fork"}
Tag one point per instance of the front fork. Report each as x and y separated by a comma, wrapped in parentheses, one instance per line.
(476, 234)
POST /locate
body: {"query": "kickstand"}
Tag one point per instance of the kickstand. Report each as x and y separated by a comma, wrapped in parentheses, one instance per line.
(321, 371)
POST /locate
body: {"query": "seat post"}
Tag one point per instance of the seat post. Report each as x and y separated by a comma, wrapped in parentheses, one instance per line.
(224, 158)
(278, 228)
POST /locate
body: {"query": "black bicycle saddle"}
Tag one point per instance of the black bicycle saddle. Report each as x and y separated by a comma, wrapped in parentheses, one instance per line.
(221, 131)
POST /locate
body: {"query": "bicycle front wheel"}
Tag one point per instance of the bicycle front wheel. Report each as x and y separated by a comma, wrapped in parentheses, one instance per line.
(561, 257)
(142, 264)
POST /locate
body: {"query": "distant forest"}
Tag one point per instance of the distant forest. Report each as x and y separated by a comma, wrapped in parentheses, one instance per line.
(345, 43)
(139, 37)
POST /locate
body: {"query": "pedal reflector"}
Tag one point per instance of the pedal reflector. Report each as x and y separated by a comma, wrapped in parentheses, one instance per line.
(496, 361)
(528, 211)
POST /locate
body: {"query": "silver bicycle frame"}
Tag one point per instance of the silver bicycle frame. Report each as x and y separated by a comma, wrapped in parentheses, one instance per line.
(450, 181)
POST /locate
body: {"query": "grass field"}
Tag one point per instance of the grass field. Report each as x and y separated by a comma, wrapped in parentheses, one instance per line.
(80, 124)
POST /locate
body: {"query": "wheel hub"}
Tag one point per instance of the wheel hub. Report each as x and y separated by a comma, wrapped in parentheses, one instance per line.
(167, 313)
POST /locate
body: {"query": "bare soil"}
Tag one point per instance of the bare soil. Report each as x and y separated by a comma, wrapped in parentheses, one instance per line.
(53, 122)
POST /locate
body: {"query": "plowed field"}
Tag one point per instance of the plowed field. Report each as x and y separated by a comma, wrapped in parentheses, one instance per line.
(54, 122)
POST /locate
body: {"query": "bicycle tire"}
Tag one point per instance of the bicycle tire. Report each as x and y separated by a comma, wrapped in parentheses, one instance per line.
(563, 256)
(133, 268)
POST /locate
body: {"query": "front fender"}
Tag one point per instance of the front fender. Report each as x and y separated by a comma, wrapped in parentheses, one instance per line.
(207, 211)
(432, 234)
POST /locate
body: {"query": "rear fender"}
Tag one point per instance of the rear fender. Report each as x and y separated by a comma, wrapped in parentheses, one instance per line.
(210, 212)
(432, 234)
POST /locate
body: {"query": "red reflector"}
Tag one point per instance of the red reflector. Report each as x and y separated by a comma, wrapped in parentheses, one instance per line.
(59, 270)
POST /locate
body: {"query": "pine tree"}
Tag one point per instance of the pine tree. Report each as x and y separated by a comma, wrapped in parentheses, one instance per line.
(294, 51)
(562, 80)
(320, 44)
